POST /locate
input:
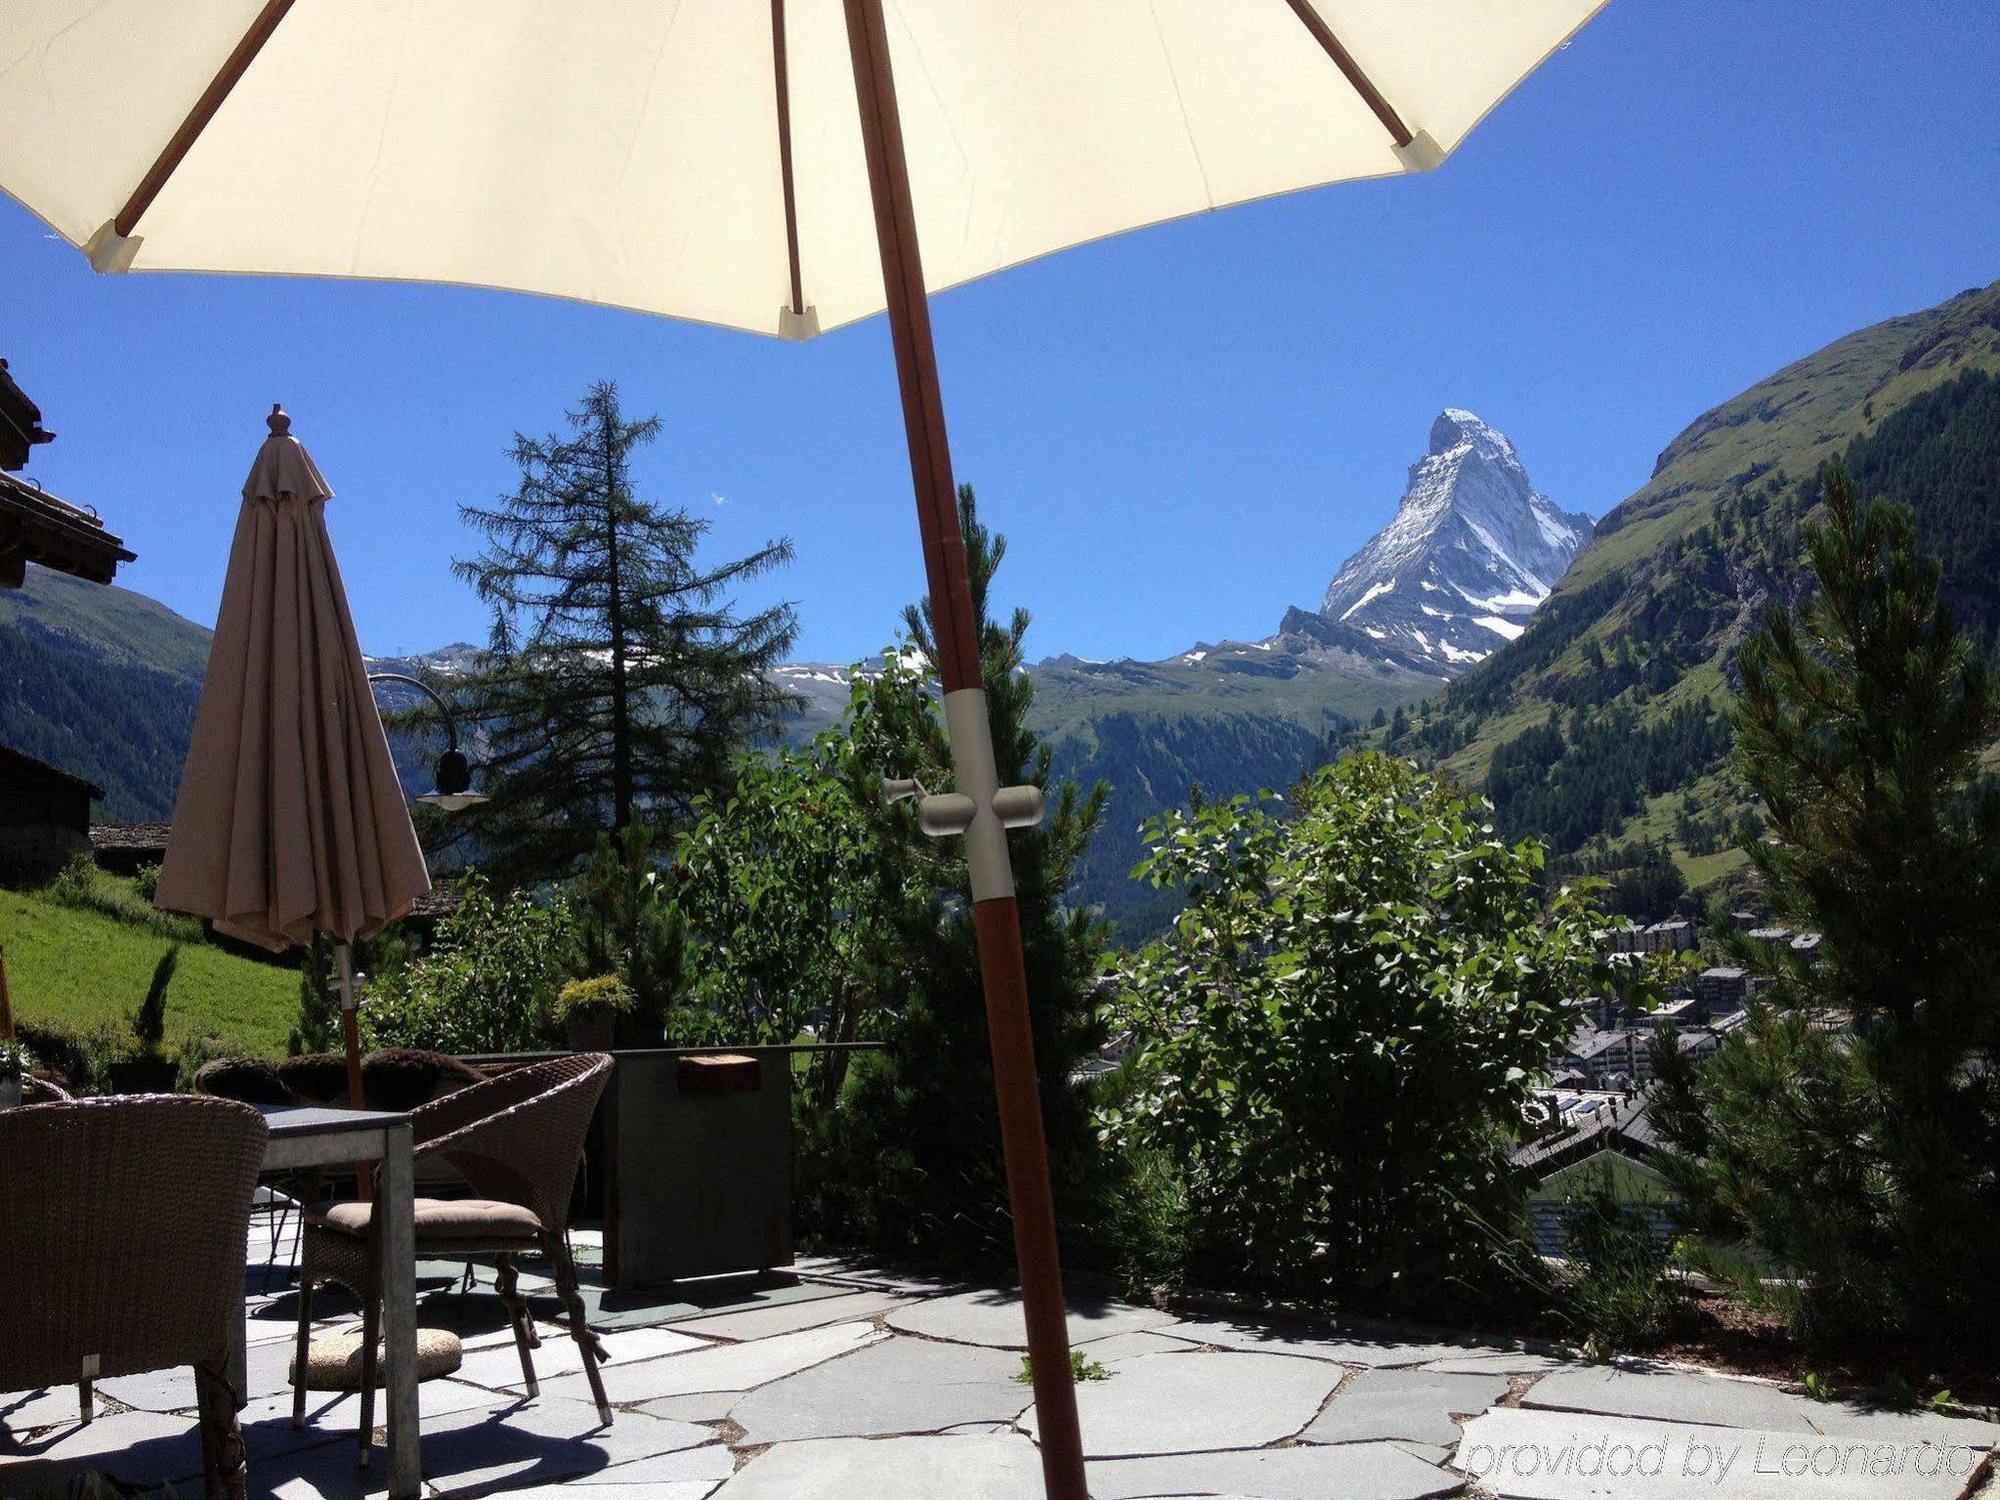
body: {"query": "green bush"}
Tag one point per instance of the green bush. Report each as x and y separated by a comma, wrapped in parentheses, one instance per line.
(607, 994)
(488, 985)
(1619, 1292)
(82, 885)
(1339, 1035)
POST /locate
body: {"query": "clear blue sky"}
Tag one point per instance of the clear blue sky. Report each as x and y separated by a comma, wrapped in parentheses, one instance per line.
(1183, 430)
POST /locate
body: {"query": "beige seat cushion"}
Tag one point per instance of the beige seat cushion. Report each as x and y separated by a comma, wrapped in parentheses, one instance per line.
(440, 1221)
(334, 1360)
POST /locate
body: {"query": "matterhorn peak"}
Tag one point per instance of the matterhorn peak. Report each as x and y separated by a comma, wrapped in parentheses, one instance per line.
(1473, 548)
(1456, 427)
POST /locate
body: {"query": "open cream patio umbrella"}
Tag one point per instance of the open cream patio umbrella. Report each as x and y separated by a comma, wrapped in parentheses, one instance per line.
(784, 167)
(290, 821)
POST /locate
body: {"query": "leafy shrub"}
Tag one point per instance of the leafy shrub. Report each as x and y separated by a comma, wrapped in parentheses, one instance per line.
(82, 885)
(146, 883)
(606, 994)
(488, 983)
(1339, 1035)
(79, 1058)
(1619, 1292)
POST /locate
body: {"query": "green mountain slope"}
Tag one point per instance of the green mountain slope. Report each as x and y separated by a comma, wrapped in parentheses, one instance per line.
(1604, 725)
(1235, 720)
(103, 683)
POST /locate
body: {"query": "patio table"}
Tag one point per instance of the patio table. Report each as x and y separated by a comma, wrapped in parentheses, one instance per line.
(304, 1137)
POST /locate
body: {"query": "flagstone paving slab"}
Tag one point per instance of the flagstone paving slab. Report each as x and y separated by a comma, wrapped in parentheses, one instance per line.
(994, 1319)
(1522, 1454)
(1124, 1346)
(723, 1367)
(1304, 1341)
(498, 1365)
(701, 1406)
(1673, 1395)
(1497, 1362)
(1843, 1419)
(1357, 1471)
(1179, 1403)
(267, 1368)
(1002, 1466)
(791, 1317)
(24, 1411)
(137, 1447)
(1412, 1404)
(538, 1442)
(901, 1385)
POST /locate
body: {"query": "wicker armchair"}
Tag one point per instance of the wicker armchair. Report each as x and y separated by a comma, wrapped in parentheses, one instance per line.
(518, 1141)
(44, 1091)
(121, 1249)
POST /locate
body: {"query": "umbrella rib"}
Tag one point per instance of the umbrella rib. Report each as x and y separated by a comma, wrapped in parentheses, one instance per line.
(211, 100)
(782, 75)
(1344, 60)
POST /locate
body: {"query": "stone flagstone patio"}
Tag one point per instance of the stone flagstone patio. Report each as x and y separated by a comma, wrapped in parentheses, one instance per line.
(847, 1382)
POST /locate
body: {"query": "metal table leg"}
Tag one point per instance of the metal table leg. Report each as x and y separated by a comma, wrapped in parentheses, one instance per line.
(398, 1279)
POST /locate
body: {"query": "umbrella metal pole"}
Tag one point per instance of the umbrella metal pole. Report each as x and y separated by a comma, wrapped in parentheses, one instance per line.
(996, 917)
(350, 1031)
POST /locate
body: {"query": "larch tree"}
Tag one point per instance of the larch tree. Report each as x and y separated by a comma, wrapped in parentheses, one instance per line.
(621, 676)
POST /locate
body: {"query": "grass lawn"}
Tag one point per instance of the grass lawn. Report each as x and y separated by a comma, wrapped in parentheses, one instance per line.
(79, 969)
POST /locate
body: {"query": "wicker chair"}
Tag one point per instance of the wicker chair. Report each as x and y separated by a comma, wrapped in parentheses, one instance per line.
(43, 1091)
(121, 1249)
(518, 1141)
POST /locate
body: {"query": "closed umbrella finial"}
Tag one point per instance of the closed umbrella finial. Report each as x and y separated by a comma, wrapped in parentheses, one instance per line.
(280, 421)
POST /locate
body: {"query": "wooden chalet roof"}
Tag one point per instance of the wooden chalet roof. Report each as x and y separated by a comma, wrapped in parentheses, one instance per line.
(37, 527)
(17, 764)
(139, 838)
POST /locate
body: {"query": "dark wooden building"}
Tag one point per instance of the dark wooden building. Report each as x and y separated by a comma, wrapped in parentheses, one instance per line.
(44, 816)
(35, 526)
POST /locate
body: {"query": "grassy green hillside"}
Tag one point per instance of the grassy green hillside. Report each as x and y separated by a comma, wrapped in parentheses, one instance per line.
(1605, 725)
(83, 971)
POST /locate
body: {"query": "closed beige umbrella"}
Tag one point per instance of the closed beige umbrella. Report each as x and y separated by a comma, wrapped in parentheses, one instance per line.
(784, 168)
(290, 821)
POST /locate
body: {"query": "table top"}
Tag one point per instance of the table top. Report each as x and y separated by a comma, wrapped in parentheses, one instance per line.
(310, 1119)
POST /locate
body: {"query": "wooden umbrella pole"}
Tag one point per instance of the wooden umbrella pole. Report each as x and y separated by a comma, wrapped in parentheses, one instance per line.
(1003, 970)
(6, 1004)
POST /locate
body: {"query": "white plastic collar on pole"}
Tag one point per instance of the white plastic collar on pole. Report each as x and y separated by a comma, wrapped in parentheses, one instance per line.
(1423, 154)
(345, 961)
(112, 252)
(972, 768)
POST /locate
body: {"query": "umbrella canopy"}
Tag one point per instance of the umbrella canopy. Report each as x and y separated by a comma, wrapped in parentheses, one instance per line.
(695, 159)
(290, 820)
(783, 171)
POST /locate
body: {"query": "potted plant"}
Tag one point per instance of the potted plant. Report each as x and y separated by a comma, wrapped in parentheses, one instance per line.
(14, 1063)
(589, 1010)
(148, 1070)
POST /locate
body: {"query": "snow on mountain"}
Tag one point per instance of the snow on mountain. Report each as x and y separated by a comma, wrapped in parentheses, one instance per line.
(1473, 549)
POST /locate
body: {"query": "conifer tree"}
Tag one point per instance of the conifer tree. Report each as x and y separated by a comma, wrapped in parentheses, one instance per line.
(922, 1135)
(1864, 1160)
(621, 676)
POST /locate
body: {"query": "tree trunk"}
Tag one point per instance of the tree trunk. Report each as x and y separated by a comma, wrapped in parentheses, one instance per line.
(621, 723)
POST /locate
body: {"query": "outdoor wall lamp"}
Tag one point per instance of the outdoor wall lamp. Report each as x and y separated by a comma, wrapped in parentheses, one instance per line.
(454, 775)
